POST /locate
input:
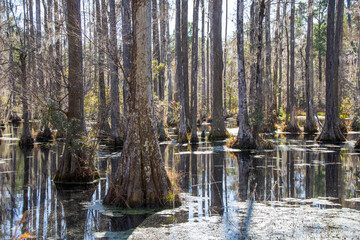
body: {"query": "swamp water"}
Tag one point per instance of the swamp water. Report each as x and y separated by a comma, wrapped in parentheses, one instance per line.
(301, 189)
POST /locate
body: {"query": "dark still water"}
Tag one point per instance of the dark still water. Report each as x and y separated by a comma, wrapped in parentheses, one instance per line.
(214, 182)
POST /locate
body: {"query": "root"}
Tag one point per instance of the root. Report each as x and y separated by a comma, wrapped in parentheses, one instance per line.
(82, 176)
(218, 136)
(194, 138)
(14, 118)
(264, 144)
(26, 142)
(44, 136)
(292, 128)
(183, 138)
(244, 143)
(311, 128)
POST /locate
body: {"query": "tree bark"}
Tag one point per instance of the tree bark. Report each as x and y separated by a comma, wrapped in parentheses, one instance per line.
(26, 139)
(245, 139)
(281, 55)
(292, 125)
(163, 52)
(168, 63)
(182, 138)
(218, 130)
(203, 80)
(185, 60)
(116, 137)
(58, 55)
(11, 59)
(194, 72)
(163, 136)
(277, 60)
(127, 44)
(141, 179)
(331, 131)
(225, 56)
(208, 67)
(254, 18)
(75, 165)
(39, 63)
(103, 123)
(211, 57)
(269, 94)
(156, 44)
(357, 144)
(310, 125)
(259, 114)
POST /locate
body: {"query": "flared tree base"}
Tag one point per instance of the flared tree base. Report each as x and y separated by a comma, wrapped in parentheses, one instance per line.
(44, 136)
(82, 176)
(183, 138)
(292, 128)
(162, 134)
(14, 118)
(310, 127)
(213, 136)
(116, 197)
(26, 142)
(262, 143)
(244, 143)
(269, 125)
(331, 135)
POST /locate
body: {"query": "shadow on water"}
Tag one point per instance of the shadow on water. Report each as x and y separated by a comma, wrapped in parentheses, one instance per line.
(214, 182)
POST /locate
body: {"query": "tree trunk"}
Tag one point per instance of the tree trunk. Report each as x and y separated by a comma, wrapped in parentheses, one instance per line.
(269, 94)
(254, 18)
(218, 130)
(244, 138)
(156, 44)
(141, 179)
(292, 125)
(310, 125)
(32, 66)
(280, 54)
(11, 60)
(331, 131)
(259, 114)
(277, 60)
(168, 62)
(162, 134)
(58, 56)
(320, 78)
(76, 165)
(225, 56)
(182, 138)
(185, 60)
(357, 144)
(208, 67)
(26, 138)
(203, 80)
(103, 123)
(194, 72)
(114, 73)
(127, 44)
(287, 69)
(39, 72)
(211, 55)
(162, 10)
